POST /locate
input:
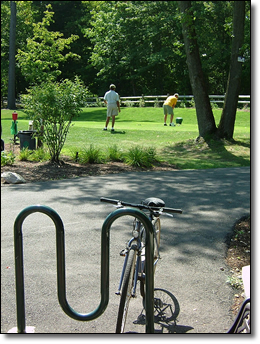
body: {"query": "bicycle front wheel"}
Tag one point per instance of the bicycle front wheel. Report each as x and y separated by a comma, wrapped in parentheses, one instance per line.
(126, 291)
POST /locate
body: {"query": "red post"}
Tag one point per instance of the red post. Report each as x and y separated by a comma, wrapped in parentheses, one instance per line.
(14, 115)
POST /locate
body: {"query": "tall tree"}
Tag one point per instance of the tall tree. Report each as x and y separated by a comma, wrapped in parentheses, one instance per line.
(44, 52)
(205, 118)
(136, 44)
(11, 74)
(227, 121)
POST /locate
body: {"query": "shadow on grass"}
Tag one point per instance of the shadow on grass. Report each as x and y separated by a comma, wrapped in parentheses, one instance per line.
(213, 154)
(99, 115)
(117, 132)
(93, 115)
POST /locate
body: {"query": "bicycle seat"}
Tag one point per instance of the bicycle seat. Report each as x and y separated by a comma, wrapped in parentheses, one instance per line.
(154, 202)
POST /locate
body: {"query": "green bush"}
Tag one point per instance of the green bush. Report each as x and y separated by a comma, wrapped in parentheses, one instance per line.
(115, 154)
(39, 155)
(141, 157)
(52, 106)
(7, 158)
(24, 154)
(36, 155)
(91, 155)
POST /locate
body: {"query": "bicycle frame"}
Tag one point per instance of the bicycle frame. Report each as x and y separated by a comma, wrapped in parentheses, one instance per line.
(137, 266)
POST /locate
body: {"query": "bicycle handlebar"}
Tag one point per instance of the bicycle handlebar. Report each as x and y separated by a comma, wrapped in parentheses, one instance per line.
(139, 206)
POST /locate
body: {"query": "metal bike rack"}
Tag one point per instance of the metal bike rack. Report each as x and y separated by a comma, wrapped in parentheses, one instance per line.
(60, 254)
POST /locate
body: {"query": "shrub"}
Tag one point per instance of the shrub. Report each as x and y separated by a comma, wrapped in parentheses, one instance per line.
(141, 157)
(114, 154)
(24, 154)
(39, 155)
(90, 155)
(7, 158)
(128, 103)
(52, 106)
(141, 102)
(156, 103)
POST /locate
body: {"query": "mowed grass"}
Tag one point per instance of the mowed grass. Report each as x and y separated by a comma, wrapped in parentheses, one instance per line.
(144, 127)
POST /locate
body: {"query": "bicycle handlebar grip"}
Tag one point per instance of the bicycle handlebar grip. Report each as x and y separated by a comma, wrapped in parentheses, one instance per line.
(170, 210)
(109, 200)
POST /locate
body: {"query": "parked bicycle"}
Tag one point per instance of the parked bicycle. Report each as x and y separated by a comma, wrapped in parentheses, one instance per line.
(165, 305)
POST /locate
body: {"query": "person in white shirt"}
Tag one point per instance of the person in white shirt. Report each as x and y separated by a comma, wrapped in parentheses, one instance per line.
(111, 99)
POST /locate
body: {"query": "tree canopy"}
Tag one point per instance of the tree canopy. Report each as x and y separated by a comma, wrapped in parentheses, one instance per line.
(138, 45)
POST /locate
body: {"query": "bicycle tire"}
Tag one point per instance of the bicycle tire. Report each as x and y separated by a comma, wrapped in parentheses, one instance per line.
(126, 290)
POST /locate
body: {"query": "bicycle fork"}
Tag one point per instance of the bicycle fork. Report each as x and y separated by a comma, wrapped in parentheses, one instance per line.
(137, 265)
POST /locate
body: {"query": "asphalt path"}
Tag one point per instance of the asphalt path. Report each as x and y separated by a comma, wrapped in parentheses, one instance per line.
(193, 248)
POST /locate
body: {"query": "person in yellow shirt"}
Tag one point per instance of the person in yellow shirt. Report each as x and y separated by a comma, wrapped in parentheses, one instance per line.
(168, 107)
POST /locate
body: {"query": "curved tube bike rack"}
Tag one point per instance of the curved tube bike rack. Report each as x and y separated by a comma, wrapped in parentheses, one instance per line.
(60, 254)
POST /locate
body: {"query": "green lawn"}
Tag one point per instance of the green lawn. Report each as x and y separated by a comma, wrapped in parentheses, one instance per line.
(144, 127)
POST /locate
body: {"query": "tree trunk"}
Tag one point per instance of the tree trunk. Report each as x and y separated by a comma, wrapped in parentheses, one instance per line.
(228, 117)
(205, 118)
(11, 76)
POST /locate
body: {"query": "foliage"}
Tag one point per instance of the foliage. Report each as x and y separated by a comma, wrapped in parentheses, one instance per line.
(40, 59)
(24, 20)
(141, 156)
(115, 154)
(86, 155)
(52, 106)
(138, 45)
(7, 158)
(25, 154)
(90, 155)
(144, 45)
(235, 282)
(37, 155)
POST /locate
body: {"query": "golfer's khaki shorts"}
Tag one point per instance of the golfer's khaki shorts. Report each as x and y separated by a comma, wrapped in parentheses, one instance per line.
(112, 110)
(168, 110)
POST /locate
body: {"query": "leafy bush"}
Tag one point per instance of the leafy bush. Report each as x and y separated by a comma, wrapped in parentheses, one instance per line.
(141, 102)
(115, 154)
(128, 103)
(156, 103)
(141, 157)
(52, 106)
(90, 155)
(7, 158)
(24, 154)
(39, 155)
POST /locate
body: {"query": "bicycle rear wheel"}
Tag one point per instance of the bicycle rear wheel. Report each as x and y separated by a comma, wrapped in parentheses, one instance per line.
(126, 290)
(166, 306)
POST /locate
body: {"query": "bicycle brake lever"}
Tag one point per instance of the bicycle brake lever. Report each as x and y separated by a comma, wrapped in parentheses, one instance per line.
(167, 214)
